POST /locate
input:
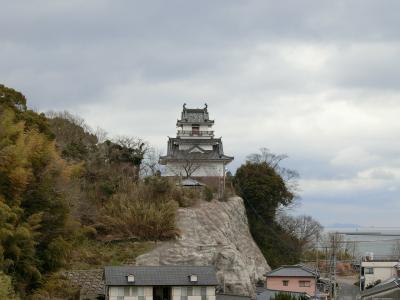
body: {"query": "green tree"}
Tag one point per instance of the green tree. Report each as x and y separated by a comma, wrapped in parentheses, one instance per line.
(33, 212)
(6, 288)
(16, 101)
(264, 190)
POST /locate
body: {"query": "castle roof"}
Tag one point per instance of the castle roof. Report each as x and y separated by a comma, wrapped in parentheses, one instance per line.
(194, 116)
(196, 152)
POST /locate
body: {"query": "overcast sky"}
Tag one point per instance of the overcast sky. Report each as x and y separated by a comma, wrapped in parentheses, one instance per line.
(317, 80)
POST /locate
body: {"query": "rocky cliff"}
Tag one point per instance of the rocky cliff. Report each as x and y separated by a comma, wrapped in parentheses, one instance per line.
(215, 233)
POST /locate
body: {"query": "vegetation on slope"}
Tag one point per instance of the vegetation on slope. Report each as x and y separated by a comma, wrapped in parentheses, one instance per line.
(34, 221)
(71, 198)
(66, 193)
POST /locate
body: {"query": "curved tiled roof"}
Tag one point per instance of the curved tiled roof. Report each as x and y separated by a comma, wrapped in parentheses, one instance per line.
(174, 154)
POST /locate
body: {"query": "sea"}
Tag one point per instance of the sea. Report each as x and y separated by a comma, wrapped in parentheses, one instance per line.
(370, 240)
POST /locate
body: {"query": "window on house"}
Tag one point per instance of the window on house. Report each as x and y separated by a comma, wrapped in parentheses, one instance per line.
(368, 270)
(304, 283)
(285, 282)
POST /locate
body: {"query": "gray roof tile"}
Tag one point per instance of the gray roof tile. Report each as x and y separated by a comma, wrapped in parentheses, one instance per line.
(393, 283)
(292, 271)
(160, 275)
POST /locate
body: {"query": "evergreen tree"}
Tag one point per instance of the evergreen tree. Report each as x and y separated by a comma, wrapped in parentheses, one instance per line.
(33, 211)
(264, 191)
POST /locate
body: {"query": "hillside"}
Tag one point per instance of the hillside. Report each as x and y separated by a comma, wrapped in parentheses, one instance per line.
(214, 233)
(71, 199)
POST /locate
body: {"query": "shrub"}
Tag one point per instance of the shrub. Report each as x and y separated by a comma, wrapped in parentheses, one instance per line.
(145, 211)
(208, 194)
(6, 288)
(288, 296)
(57, 286)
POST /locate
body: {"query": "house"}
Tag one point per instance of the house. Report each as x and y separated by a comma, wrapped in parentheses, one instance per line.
(195, 152)
(160, 283)
(295, 279)
(375, 269)
(389, 289)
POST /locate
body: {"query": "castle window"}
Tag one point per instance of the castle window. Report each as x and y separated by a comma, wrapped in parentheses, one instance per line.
(195, 129)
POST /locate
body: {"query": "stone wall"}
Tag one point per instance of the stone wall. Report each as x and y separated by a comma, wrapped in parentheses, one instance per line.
(215, 233)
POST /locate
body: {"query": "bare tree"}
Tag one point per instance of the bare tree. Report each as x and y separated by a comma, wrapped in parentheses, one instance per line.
(190, 166)
(273, 160)
(307, 230)
(186, 168)
(130, 150)
(101, 134)
(150, 165)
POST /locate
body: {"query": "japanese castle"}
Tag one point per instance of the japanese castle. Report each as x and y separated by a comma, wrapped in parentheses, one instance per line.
(195, 152)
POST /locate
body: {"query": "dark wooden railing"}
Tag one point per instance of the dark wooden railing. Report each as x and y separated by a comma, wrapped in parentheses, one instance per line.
(195, 133)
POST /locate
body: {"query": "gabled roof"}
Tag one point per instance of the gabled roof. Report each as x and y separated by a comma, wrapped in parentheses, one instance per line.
(160, 275)
(391, 284)
(292, 271)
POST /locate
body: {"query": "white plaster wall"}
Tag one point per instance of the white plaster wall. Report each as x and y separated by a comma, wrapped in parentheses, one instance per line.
(382, 271)
(188, 146)
(205, 169)
(201, 127)
(115, 291)
(205, 128)
(185, 147)
(177, 293)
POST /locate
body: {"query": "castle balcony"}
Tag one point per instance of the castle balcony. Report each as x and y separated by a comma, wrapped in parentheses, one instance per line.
(195, 133)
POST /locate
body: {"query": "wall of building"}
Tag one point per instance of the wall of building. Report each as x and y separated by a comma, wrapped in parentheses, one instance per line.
(276, 283)
(204, 170)
(188, 146)
(202, 127)
(146, 293)
(383, 270)
(193, 293)
(130, 293)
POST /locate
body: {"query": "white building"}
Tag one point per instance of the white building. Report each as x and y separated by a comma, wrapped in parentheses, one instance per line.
(195, 152)
(160, 283)
(375, 269)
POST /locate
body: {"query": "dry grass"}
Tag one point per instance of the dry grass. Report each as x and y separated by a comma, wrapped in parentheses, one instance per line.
(144, 210)
(89, 254)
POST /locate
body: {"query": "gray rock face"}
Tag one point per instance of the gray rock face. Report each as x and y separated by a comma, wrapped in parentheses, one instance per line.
(215, 233)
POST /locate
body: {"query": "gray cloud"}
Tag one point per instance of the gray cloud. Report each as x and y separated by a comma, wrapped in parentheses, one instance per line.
(316, 80)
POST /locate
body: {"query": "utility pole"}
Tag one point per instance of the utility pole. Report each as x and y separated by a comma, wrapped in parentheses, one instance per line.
(333, 262)
(316, 271)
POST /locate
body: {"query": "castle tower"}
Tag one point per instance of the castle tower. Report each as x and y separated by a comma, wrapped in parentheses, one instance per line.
(195, 152)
